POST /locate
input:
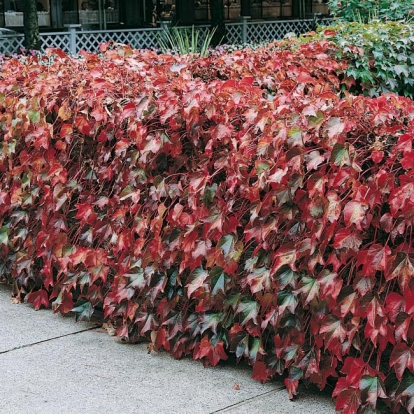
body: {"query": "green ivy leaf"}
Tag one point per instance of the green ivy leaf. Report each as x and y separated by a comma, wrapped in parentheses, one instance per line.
(210, 321)
(286, 300)
(372, 388)
(402, 70)
(226, 243)
(136, 278)
(218, 280)
(83, 311)
(340, 155)
(249, 310)
(4, 235)
(295, 136)
(288, 277)
(34, 116)
(309, 289)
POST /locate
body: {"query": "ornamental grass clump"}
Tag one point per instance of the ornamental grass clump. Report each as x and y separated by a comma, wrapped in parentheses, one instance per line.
(184, 41)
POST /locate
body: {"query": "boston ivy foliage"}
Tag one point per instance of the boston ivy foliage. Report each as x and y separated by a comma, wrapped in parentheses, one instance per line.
(227, 205)
(380, 55)
(364, 11)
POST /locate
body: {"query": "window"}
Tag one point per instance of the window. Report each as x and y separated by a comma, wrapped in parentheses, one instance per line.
(13, 15)
(90, 13)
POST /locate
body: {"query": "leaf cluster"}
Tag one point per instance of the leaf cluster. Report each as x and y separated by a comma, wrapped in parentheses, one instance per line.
(234, 204)
(367, 10)
(380, 55)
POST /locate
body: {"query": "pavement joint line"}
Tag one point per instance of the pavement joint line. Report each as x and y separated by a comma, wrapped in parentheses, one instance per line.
(48, 340)
(246, 401)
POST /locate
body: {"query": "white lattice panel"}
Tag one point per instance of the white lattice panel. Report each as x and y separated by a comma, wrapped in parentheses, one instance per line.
(139, 39)
(234, 33)
(267, 31)
(257, 32)
(90, 41)
(10, 44)
(55, 40)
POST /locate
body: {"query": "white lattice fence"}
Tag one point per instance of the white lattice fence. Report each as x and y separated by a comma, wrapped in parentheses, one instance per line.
(234, 33)
(268, 31)
(76, 40)
(139, 39)
(56, 40)
(11, 43)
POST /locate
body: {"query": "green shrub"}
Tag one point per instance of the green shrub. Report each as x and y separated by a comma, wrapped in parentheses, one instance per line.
(366, 10)
(380, 55)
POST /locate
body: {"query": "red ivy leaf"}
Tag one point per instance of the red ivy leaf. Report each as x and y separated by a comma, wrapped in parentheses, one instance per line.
(64, 302)
(354, 213)
(285, 255)
(128, 110)
(40, 137)
(402, 357)
(394, 304)
(330, 284)
(38, 298)
(66, 130)
(377, 156)
(212, 354)
(373, 260)
(402, 268)
(82, 124)
(84, 211)
(347, 239)
(261, 372)
(348, 401)
(402, 195)
(363, 284)
(408, 161)
(198, 277)
(329, 33)
(353, 368)
(333, 328)
(292, 387)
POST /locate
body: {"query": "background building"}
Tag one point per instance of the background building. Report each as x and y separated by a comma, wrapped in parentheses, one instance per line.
(105, 14)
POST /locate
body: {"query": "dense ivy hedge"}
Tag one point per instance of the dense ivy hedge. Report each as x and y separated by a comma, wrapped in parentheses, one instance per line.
(234, 204)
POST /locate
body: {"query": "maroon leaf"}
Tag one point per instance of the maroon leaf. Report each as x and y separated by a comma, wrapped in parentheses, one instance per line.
(347, 239)
(401, 268)
(38, 298)
(348, 401)
(261, 372)
(354, 213)
(402, 358)
(333, 328)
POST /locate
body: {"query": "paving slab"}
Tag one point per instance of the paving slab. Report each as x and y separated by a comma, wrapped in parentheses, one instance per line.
(307, 402)
(21, 325)
(61, 367)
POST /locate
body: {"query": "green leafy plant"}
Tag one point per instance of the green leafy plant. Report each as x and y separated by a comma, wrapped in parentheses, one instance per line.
(367, 10)
(184, 41)
(380, 55)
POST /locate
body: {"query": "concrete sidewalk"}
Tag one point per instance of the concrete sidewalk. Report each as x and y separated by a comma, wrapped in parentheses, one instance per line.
(51, 364)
